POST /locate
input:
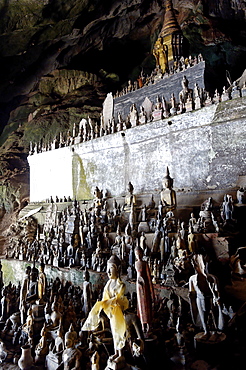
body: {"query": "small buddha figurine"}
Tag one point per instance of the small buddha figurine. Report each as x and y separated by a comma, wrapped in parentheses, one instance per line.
(87, 293)
(130, 198)
(168, 195)
(42, 283)
(142, 115)
(71, 355)
(55, 316)
(23, 293)
(55, 354)
(59, 343)
(133, 117)
(42, 348)
(97, 196)
(28, 326)
(32, 294)
(193, 223)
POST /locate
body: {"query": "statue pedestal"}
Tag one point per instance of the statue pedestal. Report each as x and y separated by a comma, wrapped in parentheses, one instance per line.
(119, 364)
(211, 347)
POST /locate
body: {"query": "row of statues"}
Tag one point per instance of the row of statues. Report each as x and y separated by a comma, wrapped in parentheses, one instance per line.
(67, 326)
(181, 65)
(188, 100)
(86, 237)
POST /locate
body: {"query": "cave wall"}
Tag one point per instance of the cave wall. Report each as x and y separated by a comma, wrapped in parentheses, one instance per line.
(204, 150)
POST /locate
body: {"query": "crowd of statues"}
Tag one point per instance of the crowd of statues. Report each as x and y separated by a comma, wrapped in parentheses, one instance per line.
(67, 326)
(157, 74)
(188, 100)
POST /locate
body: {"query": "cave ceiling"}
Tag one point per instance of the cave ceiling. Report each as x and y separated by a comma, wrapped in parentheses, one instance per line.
(59, 59)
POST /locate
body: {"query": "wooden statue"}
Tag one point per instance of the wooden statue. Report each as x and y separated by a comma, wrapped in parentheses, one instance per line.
(145, 292)
(204, 298)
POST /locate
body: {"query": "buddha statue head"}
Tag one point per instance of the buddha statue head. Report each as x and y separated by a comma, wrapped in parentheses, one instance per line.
(113, 267)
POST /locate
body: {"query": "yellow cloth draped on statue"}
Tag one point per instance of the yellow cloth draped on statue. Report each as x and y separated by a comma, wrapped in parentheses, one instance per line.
(113, 303)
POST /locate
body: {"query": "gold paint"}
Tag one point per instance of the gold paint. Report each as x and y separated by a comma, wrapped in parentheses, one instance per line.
(168, 45)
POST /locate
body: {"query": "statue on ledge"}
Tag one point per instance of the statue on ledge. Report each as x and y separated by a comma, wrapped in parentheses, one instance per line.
(42, 283)
(168, 195)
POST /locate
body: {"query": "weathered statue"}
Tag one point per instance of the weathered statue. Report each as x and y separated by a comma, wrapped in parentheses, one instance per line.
(145, 292)
(160, 53)
(97, 197)
(87, 293)
(192, 243)
(23, 294)
(185, 93)
(206, 219)
(168, 195)
(42, 283)
(59, 343)
(95, 361)
(241, 195)
(227, 209)
(132, 217)
(54, 357)
(130, 198)
(174, 105)
(113, 303)
(28, 326)
(117, 242)
(5, 304)
(142, 115)
(193, 225)
(71, 355)
(42, 348)
(204, 298)
(32, 294)
(157, 113)
(55, 316)
(133, 117)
